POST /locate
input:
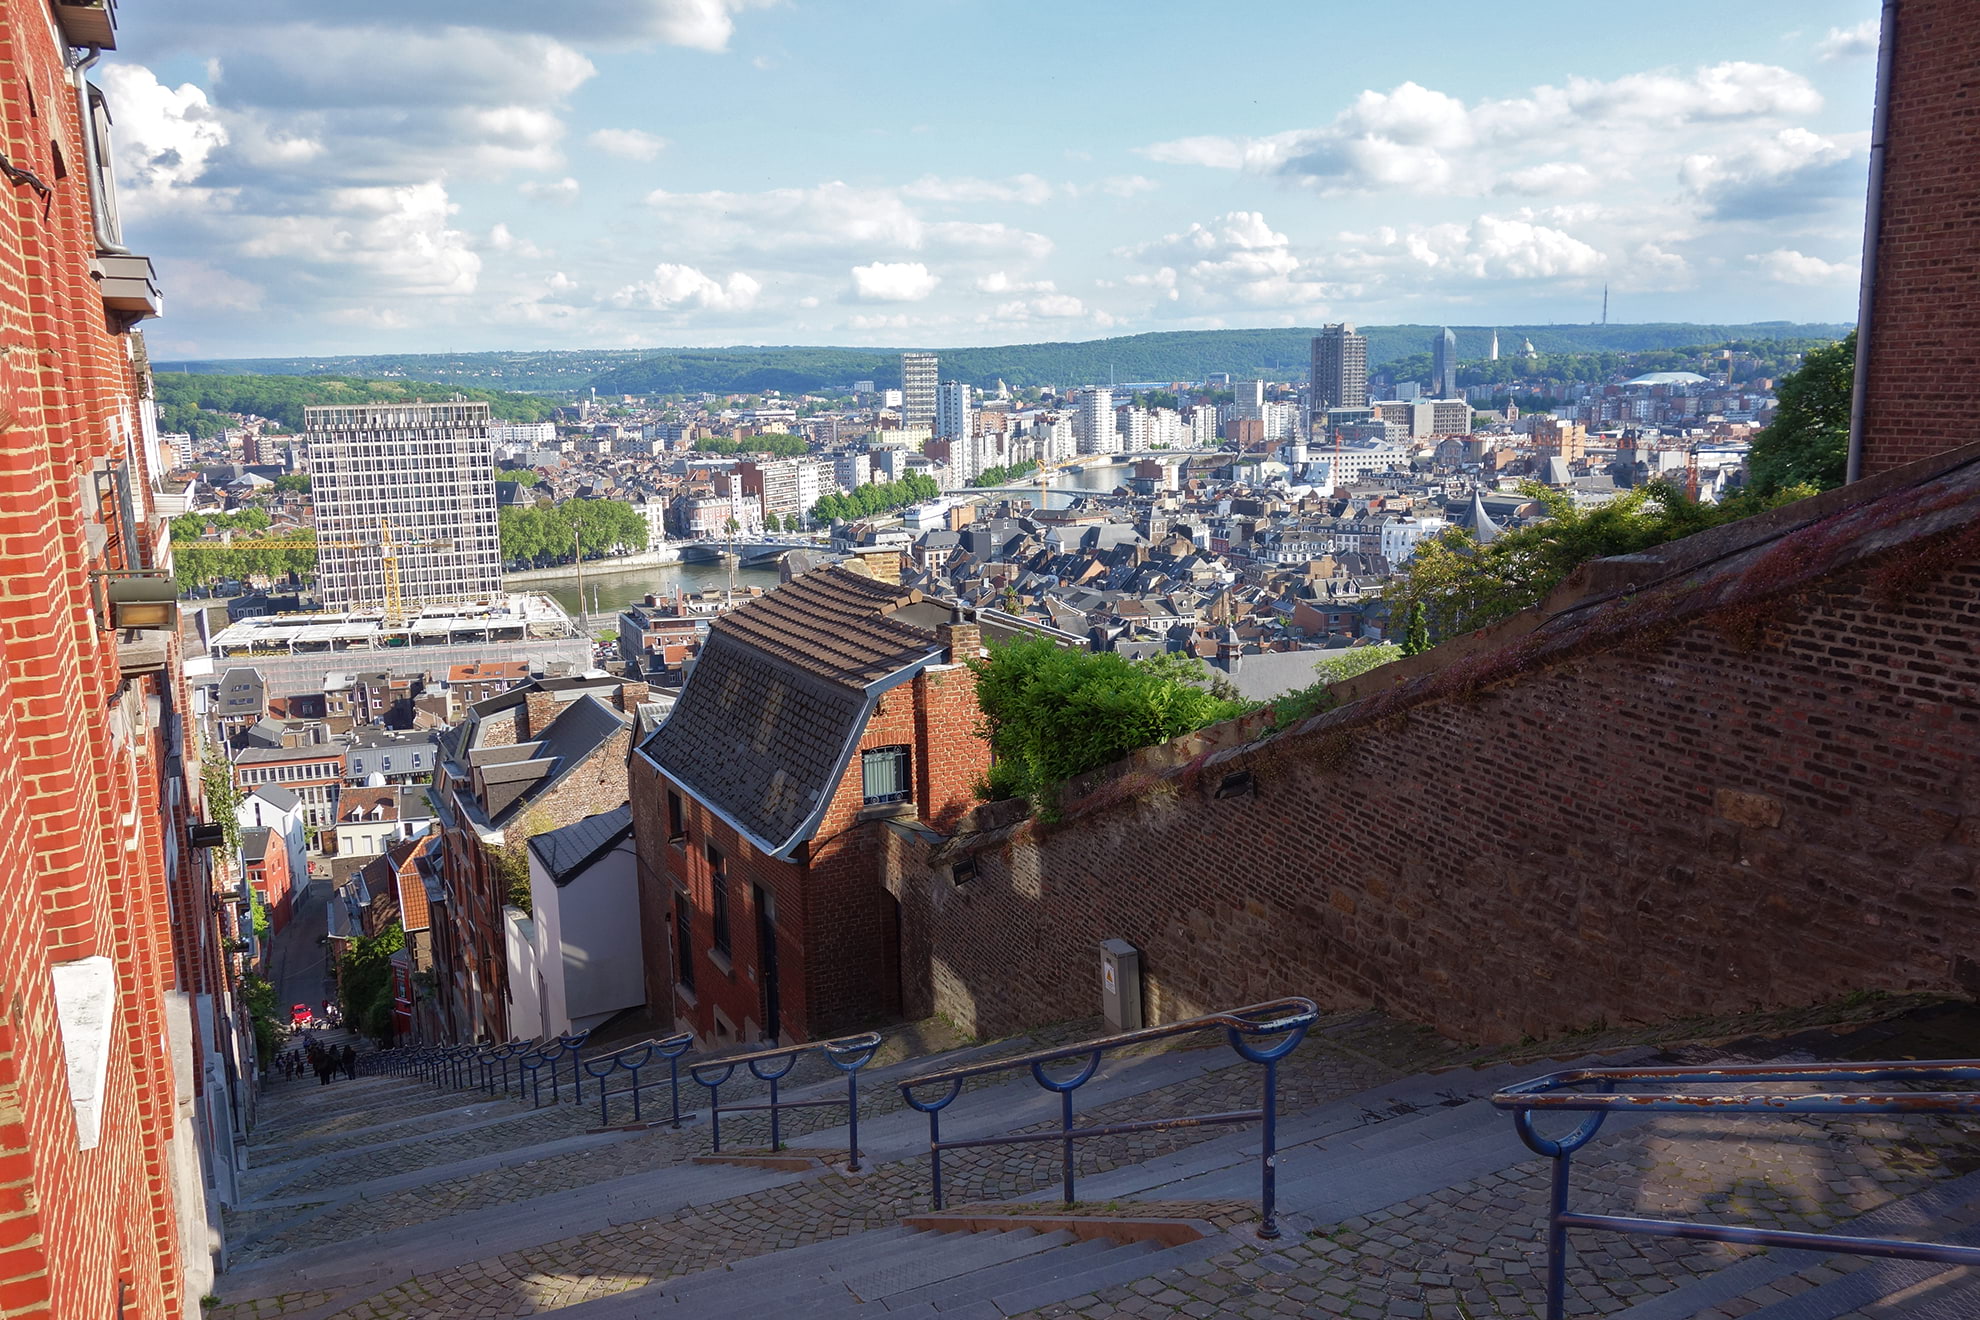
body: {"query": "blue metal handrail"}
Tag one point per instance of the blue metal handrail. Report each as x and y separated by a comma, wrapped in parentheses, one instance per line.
(846, 1053)
(550, 1055)
(632, 1059)
(1287, 1020)
(1554, 1093)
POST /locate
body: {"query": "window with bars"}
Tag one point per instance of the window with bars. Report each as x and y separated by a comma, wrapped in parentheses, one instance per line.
(886, 775)
(718, 885)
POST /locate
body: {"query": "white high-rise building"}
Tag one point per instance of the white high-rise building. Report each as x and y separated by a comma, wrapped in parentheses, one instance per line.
(952, 410)
(1203, 426)
(522, 435)
(1137, 428)
(1096, 430)
(423, 471)
(918, 376)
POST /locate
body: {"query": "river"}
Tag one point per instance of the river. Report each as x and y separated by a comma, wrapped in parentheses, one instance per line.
(615, 591)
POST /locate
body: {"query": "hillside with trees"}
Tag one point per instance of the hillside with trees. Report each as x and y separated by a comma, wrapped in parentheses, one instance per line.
(1162, 356)
(200, 404)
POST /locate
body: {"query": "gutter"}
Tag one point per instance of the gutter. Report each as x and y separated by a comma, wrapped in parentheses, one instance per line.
(92, 160)
(1873, 225)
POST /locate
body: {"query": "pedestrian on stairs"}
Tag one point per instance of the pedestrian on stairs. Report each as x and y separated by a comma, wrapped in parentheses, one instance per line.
(324, 1062)
(350, 1063)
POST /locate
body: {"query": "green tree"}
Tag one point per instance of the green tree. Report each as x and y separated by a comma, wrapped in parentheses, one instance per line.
(364, 982)
(1807, 443)
(1462, 585)
(1052, 713)
(1416, 632)
(1356, 661)
(294, 483)
(258, 997)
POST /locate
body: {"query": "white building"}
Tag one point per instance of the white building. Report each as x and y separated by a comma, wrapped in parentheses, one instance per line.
(1400, 537)
(952, 419)
(522, 435)
(1095, 428)
(576, 959)
(425, 473)
(1203, 427)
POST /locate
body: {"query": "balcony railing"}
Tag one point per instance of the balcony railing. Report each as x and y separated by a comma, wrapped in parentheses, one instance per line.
(1645, 1091)
(1261, 1034)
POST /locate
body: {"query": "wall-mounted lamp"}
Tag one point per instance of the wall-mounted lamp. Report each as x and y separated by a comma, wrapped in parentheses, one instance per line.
(199, 834)
(136, 600)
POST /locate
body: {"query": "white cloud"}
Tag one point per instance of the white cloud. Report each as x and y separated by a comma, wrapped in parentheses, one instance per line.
(1849, 43)
(1128, 185)
(676, 287)
(404, 235)
(1021, 189)
(562, 190)
(165, 135)
(1554, 178)
(1786, 266)
(1236, 260)
(830, 220)
(999, 281)
(503, 240)
(628, 143)
(893, 281)
(1785, 173)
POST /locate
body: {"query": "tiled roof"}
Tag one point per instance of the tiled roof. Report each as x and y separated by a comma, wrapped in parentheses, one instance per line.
(833, 624)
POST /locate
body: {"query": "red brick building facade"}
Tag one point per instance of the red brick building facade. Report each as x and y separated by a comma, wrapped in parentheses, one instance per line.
(107, 924)
(1923, 385)
(816, 721)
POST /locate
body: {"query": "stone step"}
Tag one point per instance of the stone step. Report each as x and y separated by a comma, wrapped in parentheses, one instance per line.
(924, 1259)
(1939, 1213)
(985, 1284)
(1124, 1264)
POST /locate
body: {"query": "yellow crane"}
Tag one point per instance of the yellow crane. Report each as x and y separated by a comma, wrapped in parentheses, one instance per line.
(386, 547)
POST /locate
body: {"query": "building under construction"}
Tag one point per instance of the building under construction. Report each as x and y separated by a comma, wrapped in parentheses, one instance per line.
(405, 505)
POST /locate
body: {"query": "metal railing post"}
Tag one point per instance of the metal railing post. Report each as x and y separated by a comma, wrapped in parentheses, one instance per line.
(1557, 1239)
(1268, 1155)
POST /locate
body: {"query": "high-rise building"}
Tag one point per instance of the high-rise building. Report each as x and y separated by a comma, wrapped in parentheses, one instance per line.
(918, 389)
(425, 473)
(1096, 429)
(952, 410)
(1443, 365)
(1340, 369)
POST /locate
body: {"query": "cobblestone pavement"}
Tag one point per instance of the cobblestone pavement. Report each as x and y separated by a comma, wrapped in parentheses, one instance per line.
(1475, 1250)
(1466, 1252)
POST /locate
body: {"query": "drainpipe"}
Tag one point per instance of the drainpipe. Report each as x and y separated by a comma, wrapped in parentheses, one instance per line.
(92, 161)
(1873, 224)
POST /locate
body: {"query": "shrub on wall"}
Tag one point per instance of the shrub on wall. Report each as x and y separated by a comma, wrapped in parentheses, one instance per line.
(1052, 713)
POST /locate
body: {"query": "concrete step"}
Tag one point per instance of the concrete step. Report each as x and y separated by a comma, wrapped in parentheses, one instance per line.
(1124, 1264)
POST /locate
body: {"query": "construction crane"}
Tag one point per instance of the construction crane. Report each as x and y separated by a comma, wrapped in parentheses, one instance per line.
(386, 548)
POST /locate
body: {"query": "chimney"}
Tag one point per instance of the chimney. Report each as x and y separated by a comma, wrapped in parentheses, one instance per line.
(882, 565)
(629, 696)
(540, 708)
(961, 639)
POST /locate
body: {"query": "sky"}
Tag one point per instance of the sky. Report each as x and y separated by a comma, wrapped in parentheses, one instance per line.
(372, 176)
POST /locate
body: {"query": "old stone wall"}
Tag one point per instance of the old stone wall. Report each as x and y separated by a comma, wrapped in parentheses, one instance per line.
(1753, 784)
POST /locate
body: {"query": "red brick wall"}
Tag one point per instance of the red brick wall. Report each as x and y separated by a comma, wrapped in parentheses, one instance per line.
(1696, 822)
(1924, 379)
(82, 824)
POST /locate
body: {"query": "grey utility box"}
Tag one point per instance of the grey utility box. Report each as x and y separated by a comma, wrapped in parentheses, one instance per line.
(1120, 984)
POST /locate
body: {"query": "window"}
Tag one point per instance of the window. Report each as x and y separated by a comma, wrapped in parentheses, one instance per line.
(885, 773)
(683, 942)
(718, 884)
(676, 819)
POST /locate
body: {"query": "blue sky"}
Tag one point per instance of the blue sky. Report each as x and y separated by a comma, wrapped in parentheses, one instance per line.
(510, 173)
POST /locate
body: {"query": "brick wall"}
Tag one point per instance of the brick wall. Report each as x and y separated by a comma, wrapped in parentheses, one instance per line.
(1753, 784)
(1924, 378)
(84, 815)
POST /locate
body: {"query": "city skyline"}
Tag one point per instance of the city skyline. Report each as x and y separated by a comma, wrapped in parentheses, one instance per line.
(490, 177)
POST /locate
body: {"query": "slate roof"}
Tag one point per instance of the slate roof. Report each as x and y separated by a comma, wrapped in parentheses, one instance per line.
(832, 623)
(254, 844)
(566, 852)
(780, 694)
(276, 796)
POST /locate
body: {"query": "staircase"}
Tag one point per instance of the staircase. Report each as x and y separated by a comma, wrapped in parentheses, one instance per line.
(1401, 1191)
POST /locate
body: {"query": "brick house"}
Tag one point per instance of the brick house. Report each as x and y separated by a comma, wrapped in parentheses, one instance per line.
(265, 861)
(470, 684)
(815, 719)
(539, 756)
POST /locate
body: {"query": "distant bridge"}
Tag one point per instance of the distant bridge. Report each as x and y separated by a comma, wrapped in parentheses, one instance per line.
(750, 551)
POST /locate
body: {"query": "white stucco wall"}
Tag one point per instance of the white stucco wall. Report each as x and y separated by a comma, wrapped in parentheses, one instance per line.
(587, 940)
